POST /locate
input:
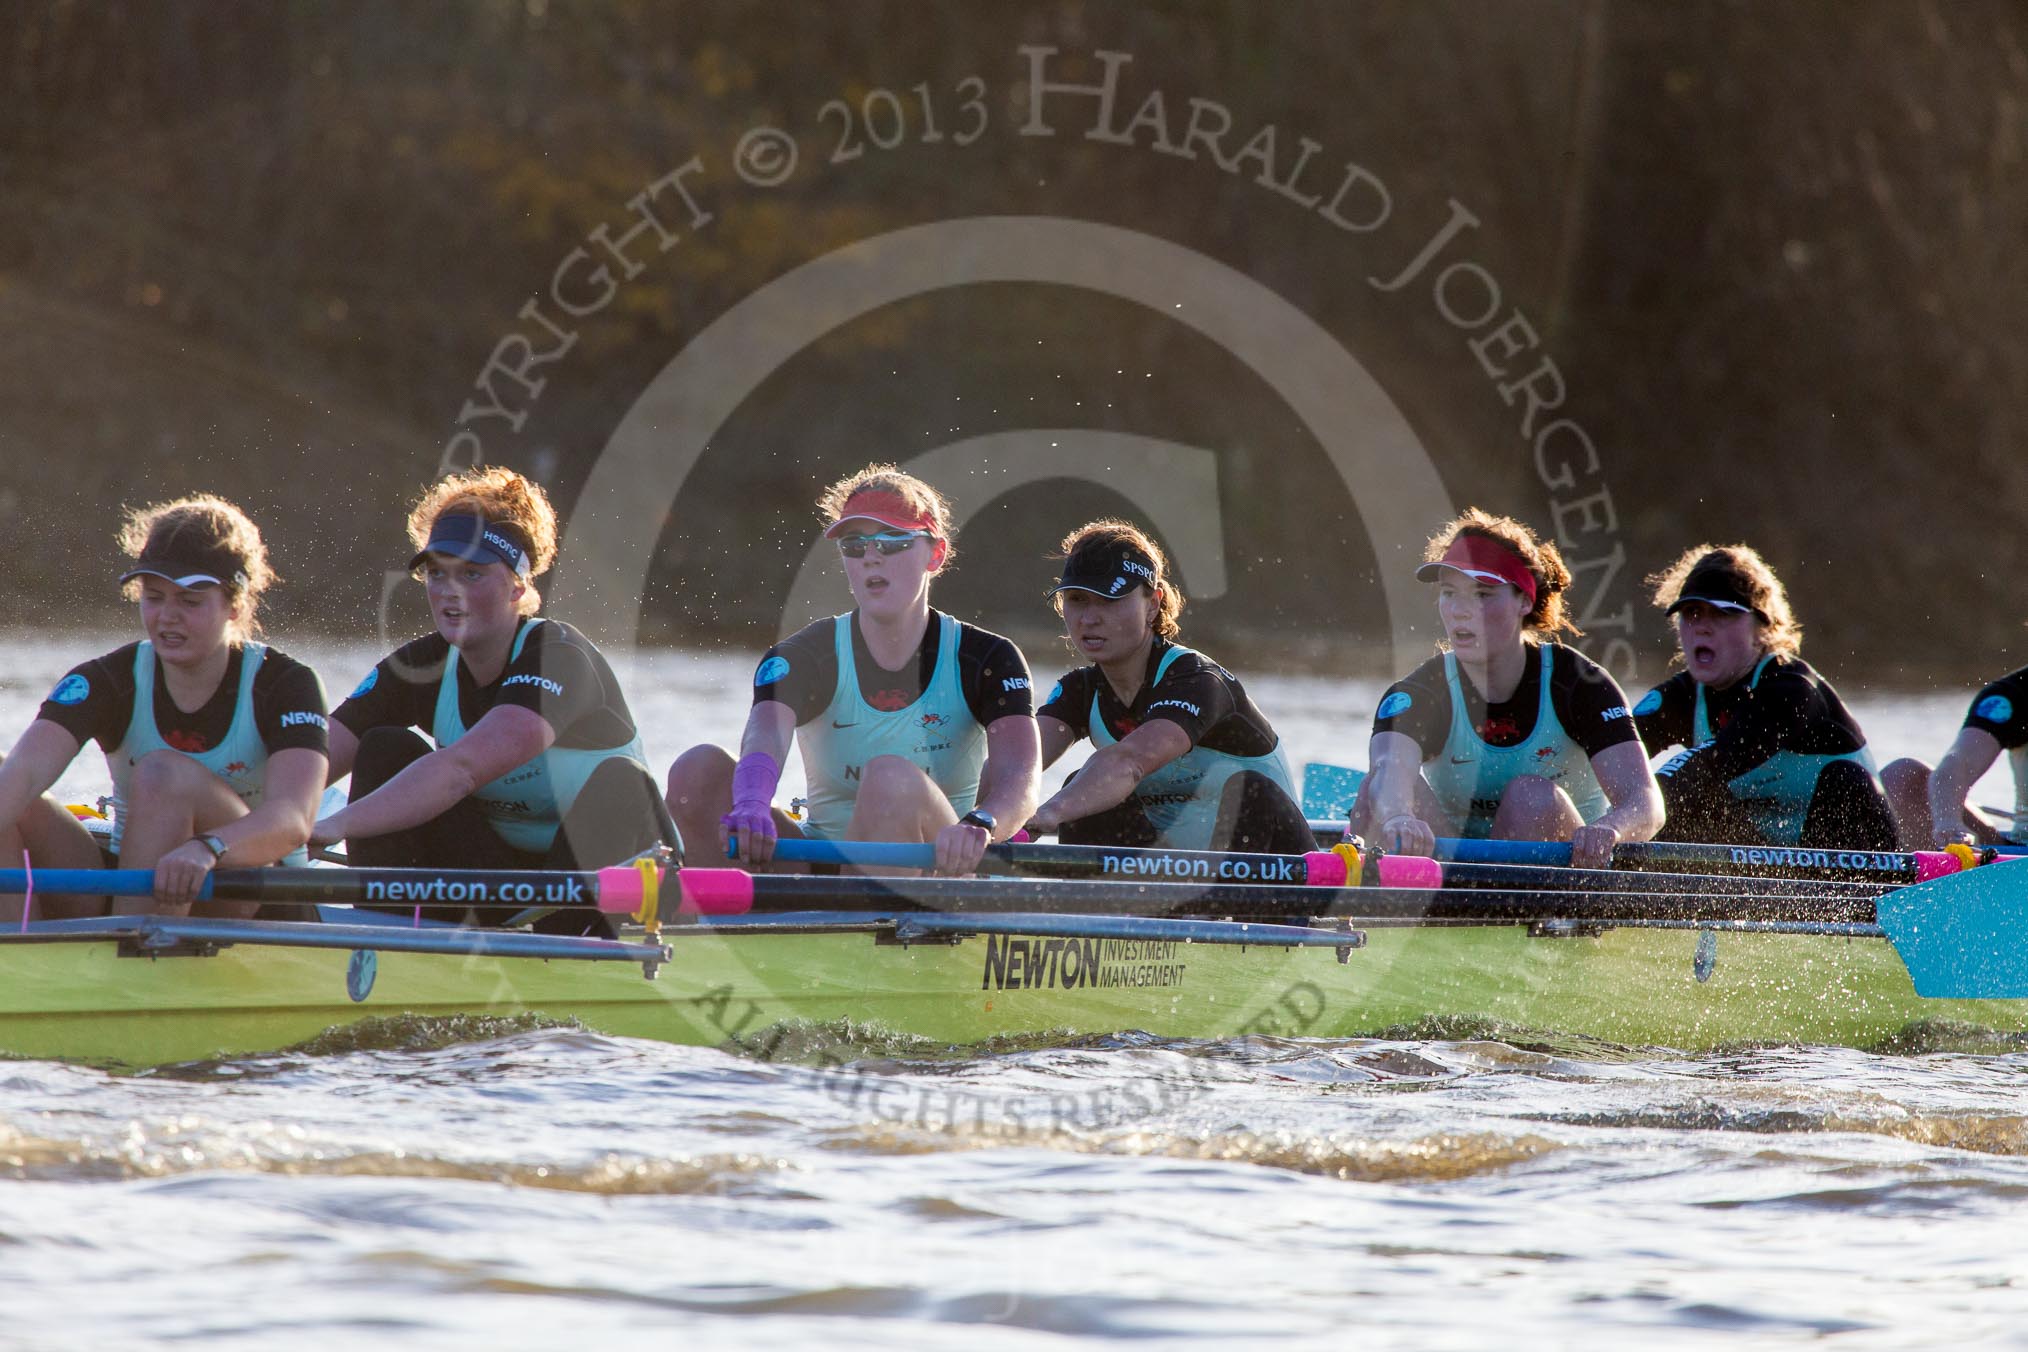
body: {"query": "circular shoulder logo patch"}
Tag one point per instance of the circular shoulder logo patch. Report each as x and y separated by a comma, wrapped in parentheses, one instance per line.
(1394, 705)
(1055, 694)
(1993, 708)
(72, 689)
(1651, 703)
(366, 684)
(771, 670)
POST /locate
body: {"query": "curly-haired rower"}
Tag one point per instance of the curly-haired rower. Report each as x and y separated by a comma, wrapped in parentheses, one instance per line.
(532, 759)
(1506, 733)
(215, 741)
(1771, 754)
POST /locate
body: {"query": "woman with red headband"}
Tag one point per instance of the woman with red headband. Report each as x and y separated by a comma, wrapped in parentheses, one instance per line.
(913, 726)
(532, 759)
(1504, 734)
(1772, 756)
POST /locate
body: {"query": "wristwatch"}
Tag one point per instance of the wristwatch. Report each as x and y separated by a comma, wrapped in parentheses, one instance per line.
(214, 844)
(980, 818)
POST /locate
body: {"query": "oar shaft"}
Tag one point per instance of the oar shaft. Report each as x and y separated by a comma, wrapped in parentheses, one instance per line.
(1411, 871)
(1084, 861)
(1325, 869)
(1784, 861)
(729, 891)
(359, 886)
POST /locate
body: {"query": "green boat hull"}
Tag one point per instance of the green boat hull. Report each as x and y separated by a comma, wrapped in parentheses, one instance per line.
(86, 1001)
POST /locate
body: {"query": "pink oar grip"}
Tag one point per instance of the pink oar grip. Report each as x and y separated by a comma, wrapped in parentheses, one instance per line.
(1410, 870)
(715, 891)
(1322, 868)
(620, 891)
(1934, 864)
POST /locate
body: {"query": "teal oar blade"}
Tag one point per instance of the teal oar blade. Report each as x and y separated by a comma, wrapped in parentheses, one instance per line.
(1963, 936)
(1328, 790)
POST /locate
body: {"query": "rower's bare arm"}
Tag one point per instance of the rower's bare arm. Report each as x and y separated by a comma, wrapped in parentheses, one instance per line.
(1057, 738)
(506, 737)
(344, 750)
(1010, 781)
(288, 810)
(1395, 762)
(1114, 772)
(770, 729)
(36, 762)
(1970, 756)
(1630, 786)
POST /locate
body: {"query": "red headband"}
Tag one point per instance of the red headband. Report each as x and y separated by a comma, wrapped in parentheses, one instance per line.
(884, 505)
(1487, 560)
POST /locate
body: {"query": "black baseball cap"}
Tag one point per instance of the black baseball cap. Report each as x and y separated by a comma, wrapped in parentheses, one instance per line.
(1715, 582)
(188, 563)
(1106, 567)
(465, 536)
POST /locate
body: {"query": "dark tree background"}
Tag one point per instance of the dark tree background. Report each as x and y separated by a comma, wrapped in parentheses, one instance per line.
(1776, 252)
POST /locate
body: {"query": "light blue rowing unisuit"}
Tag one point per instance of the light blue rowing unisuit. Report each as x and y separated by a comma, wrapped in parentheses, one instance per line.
(1469, 774)
(526, 806)
(240, 758)
(937, 732)
(1776, 794)
(1181, 799)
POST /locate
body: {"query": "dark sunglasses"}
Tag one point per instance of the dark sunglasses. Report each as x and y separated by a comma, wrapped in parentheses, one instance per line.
(887, 542)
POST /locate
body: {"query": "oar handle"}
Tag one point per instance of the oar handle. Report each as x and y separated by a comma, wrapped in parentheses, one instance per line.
(874, 853)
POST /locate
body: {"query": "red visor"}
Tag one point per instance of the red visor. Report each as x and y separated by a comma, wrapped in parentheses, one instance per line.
(1485, 559)
(884, 505)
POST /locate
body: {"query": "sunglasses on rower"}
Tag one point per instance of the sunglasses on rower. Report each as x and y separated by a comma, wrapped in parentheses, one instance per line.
(887, 542)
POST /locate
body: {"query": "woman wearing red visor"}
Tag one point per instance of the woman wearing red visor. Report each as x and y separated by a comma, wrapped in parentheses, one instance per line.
(1505, 735)
(1772, 756)
(913, 726)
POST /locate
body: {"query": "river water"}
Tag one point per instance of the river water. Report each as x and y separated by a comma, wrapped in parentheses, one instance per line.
(515, 1186)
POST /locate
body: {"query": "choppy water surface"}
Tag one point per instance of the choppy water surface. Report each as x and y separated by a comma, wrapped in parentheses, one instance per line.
(518, 1185)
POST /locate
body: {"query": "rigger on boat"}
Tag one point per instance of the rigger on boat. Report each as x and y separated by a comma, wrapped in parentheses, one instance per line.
(717, 955)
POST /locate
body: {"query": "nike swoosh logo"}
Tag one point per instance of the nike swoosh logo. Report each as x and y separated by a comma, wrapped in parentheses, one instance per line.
(1463, 760)
(836, 724)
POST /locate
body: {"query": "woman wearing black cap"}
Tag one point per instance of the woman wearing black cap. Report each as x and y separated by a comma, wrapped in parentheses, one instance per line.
(1183, 757)
(533, 759)
(1507, 734)
(1772, 756)
(215, 742)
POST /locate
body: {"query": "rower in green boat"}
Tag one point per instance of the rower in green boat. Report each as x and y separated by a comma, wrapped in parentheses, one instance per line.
(533, 759)
(1184, 758)
(1772, 756)
(215, 741)
(914, 726)
(1507, 734)
(1930, 805)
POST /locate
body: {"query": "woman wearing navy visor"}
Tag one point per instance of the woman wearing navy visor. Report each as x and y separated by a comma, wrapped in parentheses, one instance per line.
(533, 759)
(1772, 756)
(1930, 807)
(1507, 734)
(215, 741)
(913, 726)
(1183, 758)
